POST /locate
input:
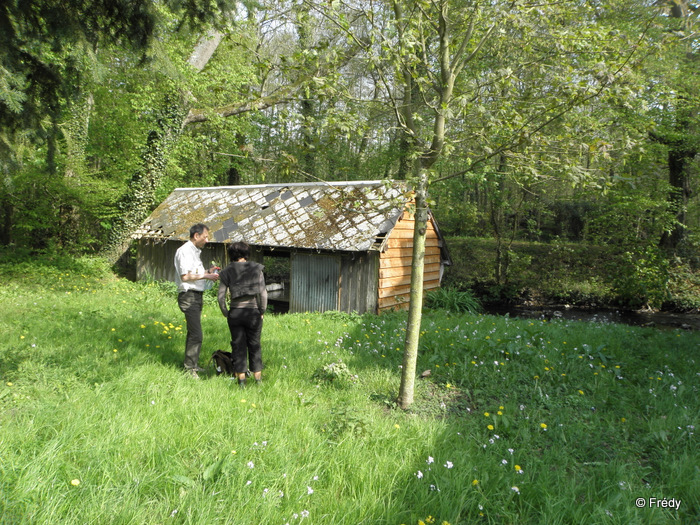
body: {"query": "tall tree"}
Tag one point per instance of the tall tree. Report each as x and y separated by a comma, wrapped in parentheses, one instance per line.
(50, 53)
(503, 71)
(140, 195)
(678, 107)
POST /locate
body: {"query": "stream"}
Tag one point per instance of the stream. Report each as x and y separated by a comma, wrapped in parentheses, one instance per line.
(684, 321)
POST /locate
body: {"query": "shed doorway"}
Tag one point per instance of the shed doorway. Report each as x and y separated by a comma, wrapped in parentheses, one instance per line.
(277, 280)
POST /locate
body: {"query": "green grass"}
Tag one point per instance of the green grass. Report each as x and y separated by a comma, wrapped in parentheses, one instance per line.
(99, 425)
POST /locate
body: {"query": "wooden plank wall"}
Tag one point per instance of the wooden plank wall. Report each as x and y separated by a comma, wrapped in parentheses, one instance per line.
(359, 273)
(395, 264)
(157, 260)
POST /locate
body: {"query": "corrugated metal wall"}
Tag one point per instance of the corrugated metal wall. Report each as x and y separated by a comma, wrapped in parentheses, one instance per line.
(314, 282)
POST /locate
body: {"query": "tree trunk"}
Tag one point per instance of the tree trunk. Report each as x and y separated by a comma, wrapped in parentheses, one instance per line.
(76, 136)
(681, 153)
(410, 356)
(679, 178)
(6, 227)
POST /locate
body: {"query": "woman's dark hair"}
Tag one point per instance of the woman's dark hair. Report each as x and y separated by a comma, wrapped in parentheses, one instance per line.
(238, 250)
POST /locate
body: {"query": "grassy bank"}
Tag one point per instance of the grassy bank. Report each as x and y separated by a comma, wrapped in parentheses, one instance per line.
(571, 273)
(519, 422)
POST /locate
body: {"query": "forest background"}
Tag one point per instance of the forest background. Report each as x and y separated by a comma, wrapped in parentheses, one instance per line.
(558, 141)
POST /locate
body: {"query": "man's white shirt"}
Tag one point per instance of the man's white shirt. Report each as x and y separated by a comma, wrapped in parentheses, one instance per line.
(188, 260)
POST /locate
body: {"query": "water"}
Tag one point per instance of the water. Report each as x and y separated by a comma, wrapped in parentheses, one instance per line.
(597, 315)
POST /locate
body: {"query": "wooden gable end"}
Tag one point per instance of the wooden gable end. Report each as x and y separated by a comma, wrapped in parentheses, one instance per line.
(395, 264)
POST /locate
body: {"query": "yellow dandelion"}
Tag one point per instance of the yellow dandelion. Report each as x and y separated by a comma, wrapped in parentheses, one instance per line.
(580, 392)
(543, 425)
(396, 425)
(475, 482)
(499, 413)
(242, 400)
(487, 414)
(9, 383)
(75, 482)
(501, 408)
(490, 427)
(143, 326)
(623, 419)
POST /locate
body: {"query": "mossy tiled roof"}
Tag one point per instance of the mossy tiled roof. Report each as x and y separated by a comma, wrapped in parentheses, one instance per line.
(343, 216)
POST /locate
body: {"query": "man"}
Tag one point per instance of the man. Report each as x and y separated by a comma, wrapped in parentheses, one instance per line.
(192, 280)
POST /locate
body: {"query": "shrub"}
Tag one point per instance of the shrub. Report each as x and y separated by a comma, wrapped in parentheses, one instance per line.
(334, 373)
(453, 300)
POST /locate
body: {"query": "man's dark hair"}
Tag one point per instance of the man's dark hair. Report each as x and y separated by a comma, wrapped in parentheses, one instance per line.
(238, 250)
(197, 229)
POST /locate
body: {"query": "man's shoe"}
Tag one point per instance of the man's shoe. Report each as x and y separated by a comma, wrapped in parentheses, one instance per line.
(192, 372)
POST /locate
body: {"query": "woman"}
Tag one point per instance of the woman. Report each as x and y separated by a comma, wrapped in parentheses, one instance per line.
(245, 283)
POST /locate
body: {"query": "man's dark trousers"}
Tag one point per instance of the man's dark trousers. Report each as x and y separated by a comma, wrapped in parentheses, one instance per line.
(190, 302)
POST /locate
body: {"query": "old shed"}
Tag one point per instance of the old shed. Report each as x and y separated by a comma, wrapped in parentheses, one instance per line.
(349, 244)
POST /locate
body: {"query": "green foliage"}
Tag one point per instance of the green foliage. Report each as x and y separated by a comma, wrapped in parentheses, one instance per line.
(53, 269)
(335, 373)
(453, 300)
(559, 271)
(347, 422)
(640, 277)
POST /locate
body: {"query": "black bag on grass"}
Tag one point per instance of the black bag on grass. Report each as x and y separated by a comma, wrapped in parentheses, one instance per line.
(223, 362)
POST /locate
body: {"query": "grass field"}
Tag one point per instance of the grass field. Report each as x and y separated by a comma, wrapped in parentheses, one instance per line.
(520, 421)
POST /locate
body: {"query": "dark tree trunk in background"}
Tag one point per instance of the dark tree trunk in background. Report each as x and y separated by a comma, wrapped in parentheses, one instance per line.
(679, 160)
